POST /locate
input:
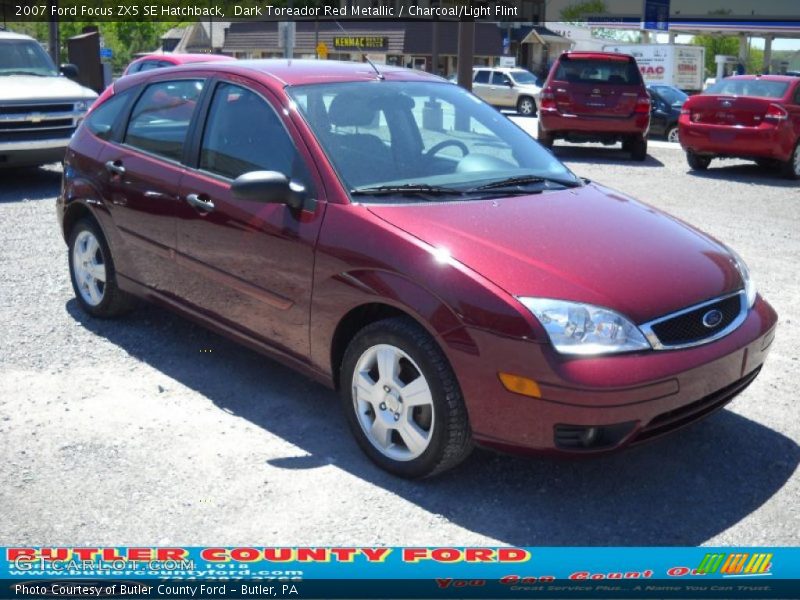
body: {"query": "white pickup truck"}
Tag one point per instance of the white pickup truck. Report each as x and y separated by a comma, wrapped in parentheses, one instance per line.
(39, 107)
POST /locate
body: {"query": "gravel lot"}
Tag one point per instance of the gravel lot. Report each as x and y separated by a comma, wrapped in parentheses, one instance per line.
(151, 430)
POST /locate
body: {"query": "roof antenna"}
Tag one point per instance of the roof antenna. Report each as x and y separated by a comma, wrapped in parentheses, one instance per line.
(366, 56)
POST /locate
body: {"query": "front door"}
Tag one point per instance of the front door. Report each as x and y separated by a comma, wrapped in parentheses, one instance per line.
(246, 263)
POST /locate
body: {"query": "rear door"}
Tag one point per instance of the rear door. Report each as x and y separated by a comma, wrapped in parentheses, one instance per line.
(481, 85)
(140, 176)
(501, 90)
(248, 264)
(600, 86)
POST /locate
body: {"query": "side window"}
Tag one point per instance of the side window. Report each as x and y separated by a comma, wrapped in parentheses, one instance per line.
(148, 65)
(481, 76)
(797, 94)
(102, 119)
(243, 133)
(135, 68)
(160, 119)
(498, 78)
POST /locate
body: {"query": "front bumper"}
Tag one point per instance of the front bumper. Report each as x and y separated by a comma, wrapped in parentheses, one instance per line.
(635, 397)
(31, 153)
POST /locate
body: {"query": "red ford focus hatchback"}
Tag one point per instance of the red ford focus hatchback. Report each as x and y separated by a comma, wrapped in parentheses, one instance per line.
(748, 116)
(393, 236)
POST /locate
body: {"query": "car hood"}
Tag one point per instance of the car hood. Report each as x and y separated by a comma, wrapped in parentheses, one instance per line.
(588, 244)
(30, 87)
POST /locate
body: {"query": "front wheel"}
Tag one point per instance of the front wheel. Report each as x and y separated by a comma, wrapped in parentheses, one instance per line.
(791, 168)
(526, 106)
(91, 270)
(402, 401)
(697, 162)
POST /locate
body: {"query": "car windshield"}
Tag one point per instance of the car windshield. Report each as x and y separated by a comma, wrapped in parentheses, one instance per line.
(422, 136)
(25, 57)
(670, 95)
(749, 87)
(524, 77)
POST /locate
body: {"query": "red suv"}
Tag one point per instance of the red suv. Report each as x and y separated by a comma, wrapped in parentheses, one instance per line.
(748, 116)
(394, 237)
(595, 97)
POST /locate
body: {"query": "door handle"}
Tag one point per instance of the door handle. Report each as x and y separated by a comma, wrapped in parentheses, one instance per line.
(199, 203)
(115, 167)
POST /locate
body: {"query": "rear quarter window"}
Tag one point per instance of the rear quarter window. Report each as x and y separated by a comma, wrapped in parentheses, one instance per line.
(598, 72)
(481, 77)
(101, 120)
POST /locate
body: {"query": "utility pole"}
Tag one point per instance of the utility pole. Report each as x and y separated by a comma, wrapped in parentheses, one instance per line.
(435, 41)
(288, 41)
(54, 43)
(466, 53)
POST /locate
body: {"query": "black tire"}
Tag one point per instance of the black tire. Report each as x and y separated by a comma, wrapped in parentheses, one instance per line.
(767, 164)
(450, 436)
(526, 106)
(114, 301)
(791, 168)
(697, 162)
(638, 149)
(545, 139)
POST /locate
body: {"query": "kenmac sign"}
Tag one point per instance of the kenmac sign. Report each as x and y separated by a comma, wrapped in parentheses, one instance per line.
(362, 42)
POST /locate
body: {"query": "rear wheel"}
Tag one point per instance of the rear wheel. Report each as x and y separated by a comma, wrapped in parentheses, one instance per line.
(697, 162)
(791, 168)
(91, 270)
(672, 135)
(526, 106)
(545, 139)
(638, 149)
(402, 401)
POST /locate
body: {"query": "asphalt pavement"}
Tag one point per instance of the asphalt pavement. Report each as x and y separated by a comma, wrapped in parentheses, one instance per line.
(152, 430)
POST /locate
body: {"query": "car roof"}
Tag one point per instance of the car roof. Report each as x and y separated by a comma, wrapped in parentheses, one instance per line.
(185, 58)
(288, 72)
(784, 78)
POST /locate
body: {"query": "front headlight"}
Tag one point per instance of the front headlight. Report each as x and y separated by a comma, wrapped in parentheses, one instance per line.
(585, 329)
(749, 285)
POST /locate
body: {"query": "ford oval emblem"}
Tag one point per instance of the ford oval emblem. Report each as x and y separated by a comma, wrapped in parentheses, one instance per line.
(712, 318)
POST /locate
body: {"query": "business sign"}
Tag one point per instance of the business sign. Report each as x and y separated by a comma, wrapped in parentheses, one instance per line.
(360, 42)
(655, 15)
(106, 53)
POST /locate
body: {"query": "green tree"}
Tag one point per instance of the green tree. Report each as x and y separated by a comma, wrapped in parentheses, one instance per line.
(578, 12)
(716, 44)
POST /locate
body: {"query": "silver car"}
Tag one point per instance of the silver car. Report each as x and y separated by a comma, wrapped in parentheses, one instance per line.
(508, 87)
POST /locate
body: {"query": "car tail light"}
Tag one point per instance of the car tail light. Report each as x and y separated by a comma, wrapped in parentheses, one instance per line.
(547, 99)
(776, 113)
(642, 105)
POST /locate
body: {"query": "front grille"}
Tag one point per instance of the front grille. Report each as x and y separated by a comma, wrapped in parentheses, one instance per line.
(27, 125)
(35, 136)
(24, 109)
(688, 328)
(683, 415)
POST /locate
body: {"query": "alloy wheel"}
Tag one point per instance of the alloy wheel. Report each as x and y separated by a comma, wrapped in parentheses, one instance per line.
(89, 268)
(672, 135)
(393, 402)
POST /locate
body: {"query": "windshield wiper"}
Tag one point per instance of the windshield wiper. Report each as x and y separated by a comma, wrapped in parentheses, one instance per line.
(408, 188)
(522, 180)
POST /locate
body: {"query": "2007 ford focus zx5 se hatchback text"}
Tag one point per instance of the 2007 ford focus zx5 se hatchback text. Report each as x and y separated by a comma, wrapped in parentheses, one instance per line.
(393, 236)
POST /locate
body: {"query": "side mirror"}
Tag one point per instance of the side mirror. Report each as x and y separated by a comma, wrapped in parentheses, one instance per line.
(509, 83)
(270, 187)
(70, 71)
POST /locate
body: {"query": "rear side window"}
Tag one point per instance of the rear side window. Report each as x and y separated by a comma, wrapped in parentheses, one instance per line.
(244, 134)
(481, 77)
(160, 118)
(749, 87)
(598, 72)
(102, 119)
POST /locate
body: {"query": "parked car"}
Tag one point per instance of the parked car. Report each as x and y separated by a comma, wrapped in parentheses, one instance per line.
(39, 106)
(393, 237)
(595, 97)
(746, 116)
(159, 61)
(665, 110)
(507, 88)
